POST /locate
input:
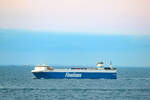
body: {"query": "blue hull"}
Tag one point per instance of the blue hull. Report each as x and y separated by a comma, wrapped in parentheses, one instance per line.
(75, 75)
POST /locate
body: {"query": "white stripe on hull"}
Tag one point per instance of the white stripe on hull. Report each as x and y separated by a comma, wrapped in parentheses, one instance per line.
(76, 70)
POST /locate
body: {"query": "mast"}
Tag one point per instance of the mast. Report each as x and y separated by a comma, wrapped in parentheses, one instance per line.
(110, 65)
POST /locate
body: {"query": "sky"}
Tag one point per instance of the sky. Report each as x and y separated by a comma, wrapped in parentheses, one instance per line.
(77, 32)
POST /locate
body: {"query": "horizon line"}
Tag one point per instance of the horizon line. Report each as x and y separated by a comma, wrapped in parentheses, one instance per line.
(64, 65)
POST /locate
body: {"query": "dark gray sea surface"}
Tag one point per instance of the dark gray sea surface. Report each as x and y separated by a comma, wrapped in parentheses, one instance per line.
(17, 83)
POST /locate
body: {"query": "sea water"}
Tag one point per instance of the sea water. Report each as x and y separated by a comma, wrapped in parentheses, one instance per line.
(17, 83)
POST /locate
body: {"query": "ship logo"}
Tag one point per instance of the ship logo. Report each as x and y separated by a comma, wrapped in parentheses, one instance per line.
(73, 75)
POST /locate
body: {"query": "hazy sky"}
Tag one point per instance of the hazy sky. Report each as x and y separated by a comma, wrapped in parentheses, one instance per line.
(75, 32)
(102, 16)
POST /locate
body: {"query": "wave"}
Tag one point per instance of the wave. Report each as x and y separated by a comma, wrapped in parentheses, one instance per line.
(79, 89)
(135, 78)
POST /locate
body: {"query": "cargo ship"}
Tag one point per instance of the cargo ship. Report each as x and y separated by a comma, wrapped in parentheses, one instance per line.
(99, 72)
